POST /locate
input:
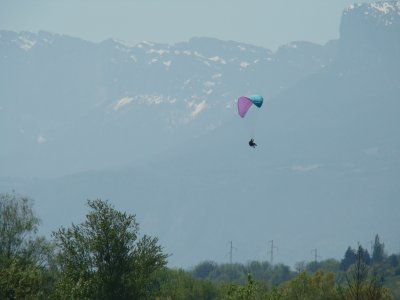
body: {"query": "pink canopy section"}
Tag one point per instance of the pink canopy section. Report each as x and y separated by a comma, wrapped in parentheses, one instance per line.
(244, 104)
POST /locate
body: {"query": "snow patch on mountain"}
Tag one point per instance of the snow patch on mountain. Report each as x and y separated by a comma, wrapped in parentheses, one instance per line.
(156, 99)
(159, 51)
(217, 59)
(25, 43)
(41, 140)
(383, 8)
(122, 48)
(133, 57)
(209, 84)
(198, 54)
(122, 102)
(244, 64)
(291, 45)
(142, 99)
(387, 11)
(167, 64)
(198, 108)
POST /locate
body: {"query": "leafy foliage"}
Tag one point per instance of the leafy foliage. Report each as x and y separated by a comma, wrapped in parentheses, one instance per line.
(250, 291)
(25, 259)
(378, 250)
(180, 285)
(320, 286)
(238, 273)
(359, 286)
(102, 258)
(18, 224)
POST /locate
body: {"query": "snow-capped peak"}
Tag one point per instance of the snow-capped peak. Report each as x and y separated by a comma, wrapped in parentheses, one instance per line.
(386, 13)
(376, 8)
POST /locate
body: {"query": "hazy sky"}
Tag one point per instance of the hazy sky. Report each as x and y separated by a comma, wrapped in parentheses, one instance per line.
(268, 23)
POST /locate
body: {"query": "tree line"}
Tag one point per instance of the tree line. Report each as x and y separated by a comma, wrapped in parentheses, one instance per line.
(105, 257)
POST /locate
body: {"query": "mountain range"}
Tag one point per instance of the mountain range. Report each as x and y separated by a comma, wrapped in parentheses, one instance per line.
(154, 129)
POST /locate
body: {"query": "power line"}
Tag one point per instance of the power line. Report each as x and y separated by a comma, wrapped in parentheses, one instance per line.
(270, 251)
(231, 248)
(316, 256)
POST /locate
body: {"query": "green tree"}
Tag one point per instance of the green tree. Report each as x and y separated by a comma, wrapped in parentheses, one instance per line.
(280, 273)
(252, 290)
(348, 259)
(378, 251)
(366, 257)
(327, 265)
(18, 224)
(261, 271)
(394, 260)
(180, 285)
(26, 259)
(204, 269)
(102, 258)
(360, 286)
(227, 272)
(320, 286)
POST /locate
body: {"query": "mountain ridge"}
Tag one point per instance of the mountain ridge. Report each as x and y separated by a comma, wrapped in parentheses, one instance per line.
(107, 92)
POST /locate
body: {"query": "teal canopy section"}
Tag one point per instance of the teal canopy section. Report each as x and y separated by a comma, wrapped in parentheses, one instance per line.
(257, 100)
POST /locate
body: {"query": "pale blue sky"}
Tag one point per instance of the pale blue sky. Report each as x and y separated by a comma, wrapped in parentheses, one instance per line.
(267, 23)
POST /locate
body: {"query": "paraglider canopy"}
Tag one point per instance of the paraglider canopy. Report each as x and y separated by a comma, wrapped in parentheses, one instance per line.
(245, 102)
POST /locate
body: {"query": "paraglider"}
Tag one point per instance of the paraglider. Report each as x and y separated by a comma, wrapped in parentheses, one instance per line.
(244, 104)
(252, 143)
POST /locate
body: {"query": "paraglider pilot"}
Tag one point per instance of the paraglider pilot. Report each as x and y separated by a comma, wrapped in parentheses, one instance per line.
(252, 143)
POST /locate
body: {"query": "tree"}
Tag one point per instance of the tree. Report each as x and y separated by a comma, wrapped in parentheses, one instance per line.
(178, 284)
(356, 277)
(359, 286)
(25, 258)
(378, 251)
(280, 274)
(261, 271)
(18, 224)
(327, 265)
(300, 266)
(319, 286)
(394, 260)
(204, 269)
(250, 291)
(348, 260)
(102, 258)
(365, 256)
